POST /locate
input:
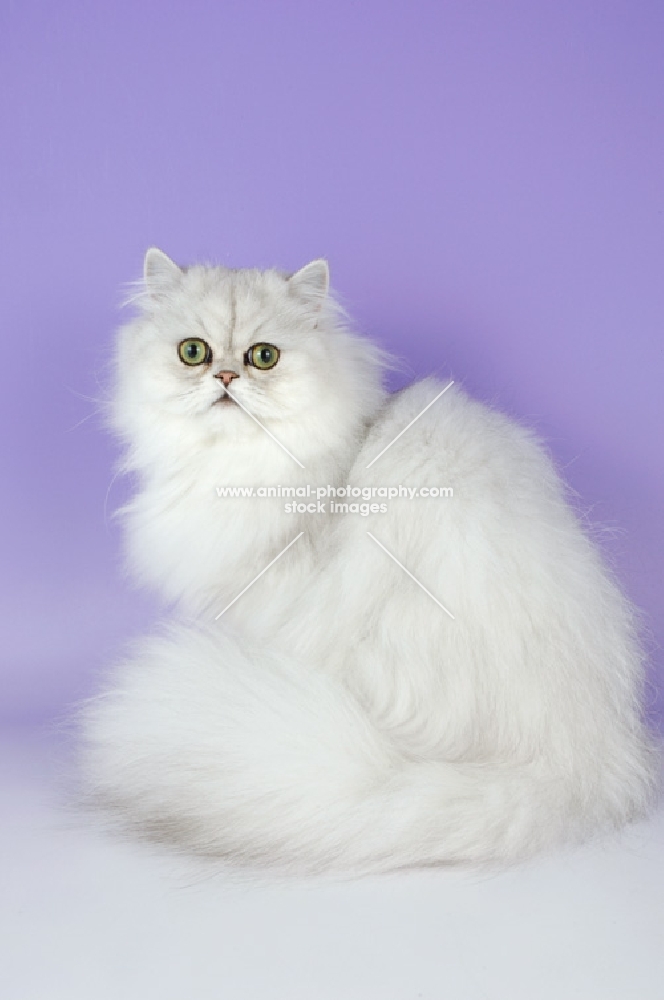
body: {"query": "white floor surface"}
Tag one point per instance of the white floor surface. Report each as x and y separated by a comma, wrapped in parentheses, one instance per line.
(86, 915)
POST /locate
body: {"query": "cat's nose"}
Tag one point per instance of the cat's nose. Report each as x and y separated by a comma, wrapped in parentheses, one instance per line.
(227, 377)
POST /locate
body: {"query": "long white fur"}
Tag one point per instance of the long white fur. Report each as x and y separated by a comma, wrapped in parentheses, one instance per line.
(336, 717)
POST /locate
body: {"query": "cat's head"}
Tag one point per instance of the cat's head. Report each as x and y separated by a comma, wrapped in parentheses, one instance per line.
(212, 345)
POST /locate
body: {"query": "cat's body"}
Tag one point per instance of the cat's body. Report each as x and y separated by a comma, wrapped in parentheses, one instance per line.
(337, 715)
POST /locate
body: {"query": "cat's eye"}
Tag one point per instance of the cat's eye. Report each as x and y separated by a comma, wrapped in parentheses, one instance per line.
(262, 356)
(194, 351)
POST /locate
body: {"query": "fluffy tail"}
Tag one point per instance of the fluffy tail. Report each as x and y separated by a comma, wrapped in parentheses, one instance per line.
(195, 743)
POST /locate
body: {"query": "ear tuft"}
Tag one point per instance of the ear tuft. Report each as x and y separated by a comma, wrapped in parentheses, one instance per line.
(311, 283)
(160, 273)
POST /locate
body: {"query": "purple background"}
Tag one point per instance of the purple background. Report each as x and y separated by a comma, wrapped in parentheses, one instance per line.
(486, 180)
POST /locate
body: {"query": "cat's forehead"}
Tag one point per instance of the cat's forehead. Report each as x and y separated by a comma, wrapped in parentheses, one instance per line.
(230, 303)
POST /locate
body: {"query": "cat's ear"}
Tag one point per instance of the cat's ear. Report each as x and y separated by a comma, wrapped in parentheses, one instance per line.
(160, 273)
(311, 283)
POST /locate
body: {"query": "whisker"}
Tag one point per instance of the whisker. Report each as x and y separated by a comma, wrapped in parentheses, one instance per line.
(95, 413)
(81, 395)
(110, 485)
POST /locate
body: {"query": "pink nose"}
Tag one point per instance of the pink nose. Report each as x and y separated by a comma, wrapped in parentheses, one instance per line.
(226, 377)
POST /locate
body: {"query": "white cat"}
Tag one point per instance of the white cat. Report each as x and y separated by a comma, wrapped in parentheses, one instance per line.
(453, 679)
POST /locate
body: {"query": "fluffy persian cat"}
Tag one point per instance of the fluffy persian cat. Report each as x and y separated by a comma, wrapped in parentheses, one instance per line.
(441, 680)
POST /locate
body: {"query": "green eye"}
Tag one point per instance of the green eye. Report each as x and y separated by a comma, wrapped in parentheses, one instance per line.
(194, 351)
(262, 356)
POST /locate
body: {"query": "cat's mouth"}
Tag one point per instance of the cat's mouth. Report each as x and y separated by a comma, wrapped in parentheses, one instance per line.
(224, 398)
